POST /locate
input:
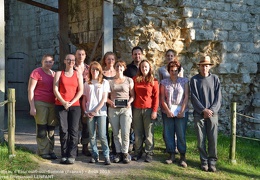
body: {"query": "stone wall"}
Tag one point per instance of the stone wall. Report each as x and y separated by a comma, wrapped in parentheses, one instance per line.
(32, 31)
(227, 30)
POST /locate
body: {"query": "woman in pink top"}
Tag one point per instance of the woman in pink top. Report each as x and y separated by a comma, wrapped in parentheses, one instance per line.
(145, 108)
(41, 100)
(68, 88)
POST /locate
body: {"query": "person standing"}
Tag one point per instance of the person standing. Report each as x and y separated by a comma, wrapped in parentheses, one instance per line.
(109, 72)
(131, 71)
(145, 108)
(41, 99)
(120, 115)
(83, 68)
(206, 100)
(174, 94)
(68, 88)
(95, 109)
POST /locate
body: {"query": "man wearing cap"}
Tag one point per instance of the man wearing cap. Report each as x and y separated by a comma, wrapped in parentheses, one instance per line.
(206, 101)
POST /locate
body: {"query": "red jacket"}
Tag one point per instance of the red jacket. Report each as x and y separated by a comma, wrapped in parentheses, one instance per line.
(146, 95)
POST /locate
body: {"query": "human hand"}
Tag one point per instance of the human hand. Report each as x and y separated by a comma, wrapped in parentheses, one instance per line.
(180, 115)
(154, 115)
(33, 111)
(207, 113)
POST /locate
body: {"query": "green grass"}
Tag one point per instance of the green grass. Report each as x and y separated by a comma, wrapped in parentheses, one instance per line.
(247, 157)
(18, 165)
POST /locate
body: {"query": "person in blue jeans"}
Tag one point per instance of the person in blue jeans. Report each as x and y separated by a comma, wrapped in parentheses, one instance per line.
(94, 100)
(174, 93)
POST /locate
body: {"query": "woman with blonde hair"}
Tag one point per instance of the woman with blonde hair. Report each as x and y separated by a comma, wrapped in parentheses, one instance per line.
(95, 109)
(145, 108)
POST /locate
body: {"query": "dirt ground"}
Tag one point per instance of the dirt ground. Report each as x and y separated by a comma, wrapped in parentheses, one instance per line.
(82, 169)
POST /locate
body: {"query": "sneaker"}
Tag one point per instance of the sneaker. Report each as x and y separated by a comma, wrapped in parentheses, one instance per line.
(118, 158)
(126, 158)
(93, 160)
(53, 156)
(148, 157)
(204, 167)
(212, 168)
(70, 161)
(171, 159)
(107, 161)
(63, 160)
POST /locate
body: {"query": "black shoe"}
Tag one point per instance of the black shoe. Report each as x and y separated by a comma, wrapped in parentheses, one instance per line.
(126, 158)
(53, 156)
(63, 160)
(118, 158)
(45, 156)
(148, 157)
(70, 161)
(136, 157)
(107, 161)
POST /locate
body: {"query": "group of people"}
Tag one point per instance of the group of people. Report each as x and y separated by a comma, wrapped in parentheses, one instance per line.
(86, 99)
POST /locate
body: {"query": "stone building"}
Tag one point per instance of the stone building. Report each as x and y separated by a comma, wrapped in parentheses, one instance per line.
(226, 30)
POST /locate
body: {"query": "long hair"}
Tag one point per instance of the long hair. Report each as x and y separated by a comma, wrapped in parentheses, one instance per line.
(149, 78)
(100, 75)
(103, 61)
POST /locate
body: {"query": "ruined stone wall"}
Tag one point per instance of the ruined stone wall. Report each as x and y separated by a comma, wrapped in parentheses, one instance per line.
(227, 30)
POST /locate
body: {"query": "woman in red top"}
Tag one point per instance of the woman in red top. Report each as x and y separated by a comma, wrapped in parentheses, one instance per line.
(145, 108)
(68, 88)
(41, 100)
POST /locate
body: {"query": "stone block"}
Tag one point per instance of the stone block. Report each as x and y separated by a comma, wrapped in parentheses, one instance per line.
(256, 103)
(257, 134)
(231, 46)
(250, 48)
(221, 35)
(190, 12)
(238, 36)
(247, 67)
(234, 16)
(238, 7)
(207, 14)
(204, 35)
(222, 25)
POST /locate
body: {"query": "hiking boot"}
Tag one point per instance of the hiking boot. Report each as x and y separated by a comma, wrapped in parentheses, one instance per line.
(212, 168)
(94, 160)
(183, 161)
(70, 161)
(171, 159)
(45, 156)
(85, 150)
(204, 167)
(126, 158)
(107, 161)
(148, 157)
(63, 160)
(118, 158)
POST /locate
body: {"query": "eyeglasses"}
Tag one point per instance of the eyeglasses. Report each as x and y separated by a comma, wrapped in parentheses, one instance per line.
(70, 60)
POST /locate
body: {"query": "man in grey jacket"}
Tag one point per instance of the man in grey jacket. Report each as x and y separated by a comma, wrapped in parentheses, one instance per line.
(206, 101)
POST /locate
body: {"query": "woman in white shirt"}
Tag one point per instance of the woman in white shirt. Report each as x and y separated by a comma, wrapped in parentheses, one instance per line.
(94, 100)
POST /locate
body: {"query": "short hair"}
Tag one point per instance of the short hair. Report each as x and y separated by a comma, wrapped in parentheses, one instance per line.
(171, 50)
(47, 55)
(121, 63)
(80, 49)
(174, 64)
(137, 47)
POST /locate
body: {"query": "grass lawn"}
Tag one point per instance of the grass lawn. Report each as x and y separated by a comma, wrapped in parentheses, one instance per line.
(247, 157)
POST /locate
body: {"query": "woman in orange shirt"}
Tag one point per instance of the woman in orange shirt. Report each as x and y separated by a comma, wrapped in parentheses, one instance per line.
(145, 108)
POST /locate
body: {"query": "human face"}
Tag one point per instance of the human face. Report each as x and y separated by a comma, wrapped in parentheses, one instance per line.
(119, 68)
(94, 72)
(137, 56)
(80, 55)
(173, 71)
(204, 69)
(110, 60)
(169, 56)
(70, 60)
(145, 68)
(47, 63)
